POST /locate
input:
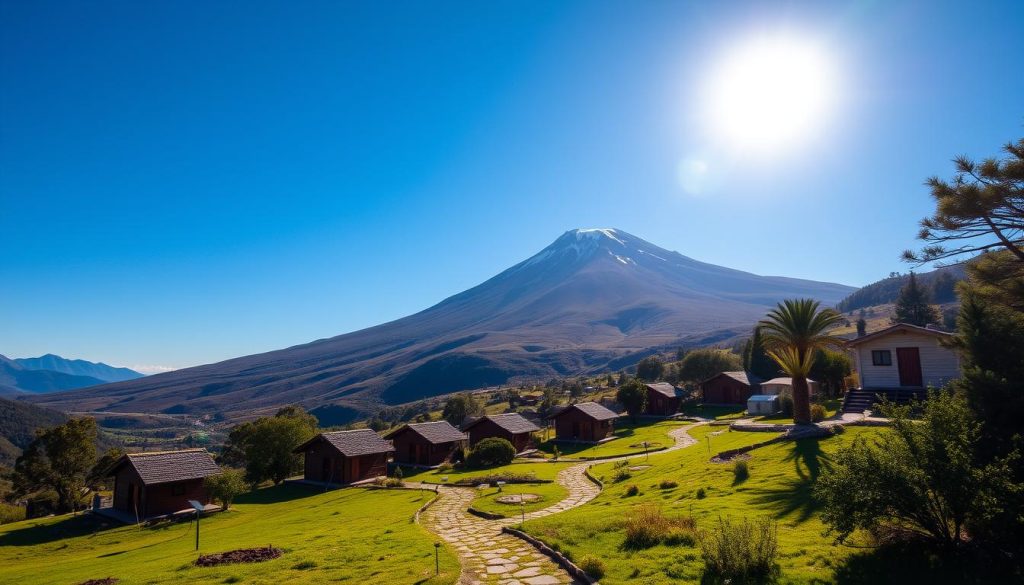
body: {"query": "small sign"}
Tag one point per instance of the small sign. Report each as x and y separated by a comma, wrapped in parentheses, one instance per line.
(199, 507)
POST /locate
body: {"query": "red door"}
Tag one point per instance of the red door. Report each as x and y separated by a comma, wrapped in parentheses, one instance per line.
(909, 360)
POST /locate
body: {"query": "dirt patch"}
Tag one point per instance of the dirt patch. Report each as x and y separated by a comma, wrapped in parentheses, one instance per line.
(730, 457)
(517, 499)
(103, 581)
(638, 467)
(242, 555)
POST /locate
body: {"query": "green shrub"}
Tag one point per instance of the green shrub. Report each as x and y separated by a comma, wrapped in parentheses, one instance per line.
(740, 551)
(491, 452)
(701, 494)
(9, 513)
(398, 473)
(633, 490)
(621, 475)
(817, 412)
(648, 526)
(667, 484)
(592, 566)
(225, 486)
(740, 470)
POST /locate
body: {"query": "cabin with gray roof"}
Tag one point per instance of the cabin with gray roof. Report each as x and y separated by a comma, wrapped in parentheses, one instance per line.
(160, 483)
(426, 444)
(587, 422)
(663, 399)
(343, 457)
(729, 388)
(511, 426)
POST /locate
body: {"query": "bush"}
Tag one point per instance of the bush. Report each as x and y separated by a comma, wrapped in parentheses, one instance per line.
(667, 484)
(740, 470)
(786, 404)
(592, 566)
(633, 490)
(739, 551)
(647, 526)
(817, 413)
(621, 475)
(227, 485)
(701, 494)
(9, 513)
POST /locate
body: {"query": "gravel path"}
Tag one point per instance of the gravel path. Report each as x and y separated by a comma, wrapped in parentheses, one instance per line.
(489, 556)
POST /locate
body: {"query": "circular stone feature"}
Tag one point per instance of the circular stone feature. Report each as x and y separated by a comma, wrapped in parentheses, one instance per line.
(517, 498)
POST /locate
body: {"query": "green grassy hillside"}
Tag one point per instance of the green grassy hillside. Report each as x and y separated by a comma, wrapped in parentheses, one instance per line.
(779, 486)
(346, 536)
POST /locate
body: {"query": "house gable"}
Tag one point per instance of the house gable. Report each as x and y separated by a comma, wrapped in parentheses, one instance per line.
(939, 365)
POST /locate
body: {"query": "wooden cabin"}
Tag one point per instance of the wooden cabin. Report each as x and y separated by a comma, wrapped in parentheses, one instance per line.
(729, 388)
(584, 422)
(663, 399)
(160, 483)
(342, 457)
(427, 444)
(903, 356)
(511, 426)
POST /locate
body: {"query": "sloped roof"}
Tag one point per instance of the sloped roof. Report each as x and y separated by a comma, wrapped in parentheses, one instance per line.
(591, 409)
(665, 389)
(351, 443)
(512, 422)
(740, 376)
(899, 328)
(434, 432)
(166, 466)
(785, 381)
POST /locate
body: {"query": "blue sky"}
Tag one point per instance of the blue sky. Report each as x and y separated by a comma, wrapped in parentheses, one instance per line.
(184, 182)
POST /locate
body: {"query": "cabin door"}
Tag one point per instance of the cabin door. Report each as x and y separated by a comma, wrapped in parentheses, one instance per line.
(354, 473)
(909, 360)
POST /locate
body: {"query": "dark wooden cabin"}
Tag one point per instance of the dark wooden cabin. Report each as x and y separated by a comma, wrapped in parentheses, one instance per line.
(586, 421)
(161, 483)
(663, 399)
(428, 444)
(729, 388)
(342, 457)
(511, 426)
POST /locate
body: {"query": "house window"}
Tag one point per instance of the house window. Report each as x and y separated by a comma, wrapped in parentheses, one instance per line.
(178, 489)
(881, 357)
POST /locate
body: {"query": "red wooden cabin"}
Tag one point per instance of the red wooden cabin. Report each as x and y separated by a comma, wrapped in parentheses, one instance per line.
(511, 426)
(663, 399)
(729, 388)
(586, 421)
(161, 483)
(342, 457)
(428, 444)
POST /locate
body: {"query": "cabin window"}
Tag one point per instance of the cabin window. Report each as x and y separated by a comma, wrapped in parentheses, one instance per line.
(178, 489)
(881, 357)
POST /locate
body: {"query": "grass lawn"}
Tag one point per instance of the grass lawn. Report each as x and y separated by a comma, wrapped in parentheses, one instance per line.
(717, 412)
(550, 493)
(344, 536)
(779, 486)
(630, 440)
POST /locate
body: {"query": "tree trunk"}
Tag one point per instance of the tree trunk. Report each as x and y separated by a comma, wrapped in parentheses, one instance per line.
(801, 401)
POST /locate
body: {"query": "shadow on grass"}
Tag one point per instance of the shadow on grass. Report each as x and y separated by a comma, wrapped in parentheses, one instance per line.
(913, 563)
(794, 496)
(278, 494)
(46, 532)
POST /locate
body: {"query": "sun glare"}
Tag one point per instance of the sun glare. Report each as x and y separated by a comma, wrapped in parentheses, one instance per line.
(770, 93)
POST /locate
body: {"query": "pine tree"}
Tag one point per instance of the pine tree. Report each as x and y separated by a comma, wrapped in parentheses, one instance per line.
(755, 360)
(862, 327)
(912, 305)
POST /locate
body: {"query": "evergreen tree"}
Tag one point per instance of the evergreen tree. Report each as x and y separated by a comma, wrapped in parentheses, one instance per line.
(633, 397)
(460, 407)
(912, 305)
(650, 369)
(862, 327)
(59, 459)
(944, 288)
(756, 360)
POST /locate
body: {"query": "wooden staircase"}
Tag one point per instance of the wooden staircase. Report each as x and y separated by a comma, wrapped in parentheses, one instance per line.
(859, 400)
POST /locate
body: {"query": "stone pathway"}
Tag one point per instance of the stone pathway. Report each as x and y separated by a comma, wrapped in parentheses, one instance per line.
(489, 556)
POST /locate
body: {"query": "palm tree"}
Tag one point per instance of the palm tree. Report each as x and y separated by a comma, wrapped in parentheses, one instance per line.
(794, 332)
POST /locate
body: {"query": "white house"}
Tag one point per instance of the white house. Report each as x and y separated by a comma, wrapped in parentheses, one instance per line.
(778, 386)
(903, 356)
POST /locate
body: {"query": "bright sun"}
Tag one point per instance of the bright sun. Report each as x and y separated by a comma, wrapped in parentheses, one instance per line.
(770, 93)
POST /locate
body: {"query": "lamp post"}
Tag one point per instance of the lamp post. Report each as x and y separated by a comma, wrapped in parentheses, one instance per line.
(437, 558)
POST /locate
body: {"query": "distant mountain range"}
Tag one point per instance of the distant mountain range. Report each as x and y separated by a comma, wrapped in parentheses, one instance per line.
(52, 373)
(594, 300)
